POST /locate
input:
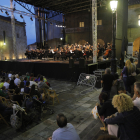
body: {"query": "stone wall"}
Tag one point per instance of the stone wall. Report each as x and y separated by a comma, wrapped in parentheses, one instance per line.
(21, 42)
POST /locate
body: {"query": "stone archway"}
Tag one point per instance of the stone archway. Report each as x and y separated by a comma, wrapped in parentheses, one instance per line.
(136, 45)
(81, 42)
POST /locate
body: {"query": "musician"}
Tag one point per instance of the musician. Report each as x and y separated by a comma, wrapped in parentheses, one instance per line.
(67, 53)
(63, 56)
(107, 52)
(57, 54)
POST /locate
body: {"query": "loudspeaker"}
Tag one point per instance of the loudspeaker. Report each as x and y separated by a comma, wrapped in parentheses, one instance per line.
(71, 63)
(81, 63)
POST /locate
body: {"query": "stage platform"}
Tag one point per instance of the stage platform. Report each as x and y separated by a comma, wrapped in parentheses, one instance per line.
(53, 69)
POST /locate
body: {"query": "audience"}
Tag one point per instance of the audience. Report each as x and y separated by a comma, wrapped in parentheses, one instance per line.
(34, 92)
(10, 75)
(128, 79)
(107, 81)
(32, 82)
(107, 108)
(42, 85)
(17, 80)
(136, 97)
(27, 75)
(126, 123)
(6, 83)
(2, 83)
(2, 93)
(38, 78)
(66, 131)
(25, 80)
(17, 97)
(21, 87)
(121, 90)
(12, 85)
(27, 89)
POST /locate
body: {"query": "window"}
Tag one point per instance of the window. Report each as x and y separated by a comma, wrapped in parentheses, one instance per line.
(139, 20)
(99, 22)
(81, 24)
(17, 35)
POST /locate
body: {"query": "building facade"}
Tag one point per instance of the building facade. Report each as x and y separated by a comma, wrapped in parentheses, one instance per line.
(6, 39)
(133, 32)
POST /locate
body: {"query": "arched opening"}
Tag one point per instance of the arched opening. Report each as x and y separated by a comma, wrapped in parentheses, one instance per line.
(136, 45)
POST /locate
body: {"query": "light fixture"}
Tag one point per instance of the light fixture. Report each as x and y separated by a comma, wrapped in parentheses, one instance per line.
(139, 22)
(4, 43)
(1, 10)
(61, 38)
(21, 16)
(31, 19)
(7, 13)
(113, 5)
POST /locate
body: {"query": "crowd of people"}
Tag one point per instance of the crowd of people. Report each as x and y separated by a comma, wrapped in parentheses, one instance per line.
(120, 111)
(70, 51)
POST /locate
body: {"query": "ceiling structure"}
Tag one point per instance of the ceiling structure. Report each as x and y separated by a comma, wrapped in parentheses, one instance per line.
(63, 6)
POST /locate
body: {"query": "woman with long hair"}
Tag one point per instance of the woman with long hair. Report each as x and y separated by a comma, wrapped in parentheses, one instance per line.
(12, 86)
(127, 78)
(34, 92)
(126, 123)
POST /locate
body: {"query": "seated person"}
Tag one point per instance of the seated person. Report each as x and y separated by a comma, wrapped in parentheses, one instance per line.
(6, 83)
(34, 92)
(125, 124)
(107, 108)
(66, 131)
(136, 97)
(38, 78)
(42, 85)
(18, 97)
(121, 90)
(32, 82)
(3, 94)
(5, 111)
(12, 85)
(2, 83)
(17, 80)
(21, 87)
(27, 75)
(27, 89)
(25, 80)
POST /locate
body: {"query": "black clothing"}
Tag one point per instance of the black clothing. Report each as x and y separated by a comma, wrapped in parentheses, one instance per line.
(18, 98)
(26, 90)
(107, 109)
(107, 82)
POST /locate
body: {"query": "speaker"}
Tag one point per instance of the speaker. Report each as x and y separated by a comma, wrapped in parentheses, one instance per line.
(71, 63)
(81, 63)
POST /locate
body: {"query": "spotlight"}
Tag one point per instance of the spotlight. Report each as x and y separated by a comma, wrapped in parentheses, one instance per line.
(7, 13)
(4, 43)
(1, 11)
(31, 19)
(61, 38)
(21, 16)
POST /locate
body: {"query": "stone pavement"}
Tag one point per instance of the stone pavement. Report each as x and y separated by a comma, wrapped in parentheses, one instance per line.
(76, 103)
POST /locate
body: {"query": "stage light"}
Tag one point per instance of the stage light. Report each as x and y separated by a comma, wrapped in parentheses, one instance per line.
(1, 11)
(31, 19)
(139, 22)
(113, 5)
(7, 13)
(61, 38)
(4, 43)
(21, 16)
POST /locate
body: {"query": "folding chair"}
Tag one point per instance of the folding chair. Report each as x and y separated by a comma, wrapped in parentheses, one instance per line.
(2, 118)
(52, 94)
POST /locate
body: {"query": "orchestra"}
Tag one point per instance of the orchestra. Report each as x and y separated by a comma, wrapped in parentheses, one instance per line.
(67, 52)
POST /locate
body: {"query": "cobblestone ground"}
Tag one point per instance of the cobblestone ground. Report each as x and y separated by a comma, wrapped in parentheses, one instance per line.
(76, 102)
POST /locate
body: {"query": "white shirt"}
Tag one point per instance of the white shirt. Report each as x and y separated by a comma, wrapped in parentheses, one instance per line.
(6, 85)
(137, 103)
(10, 76)
(22, 91)
(17, 81)
(33, 83)
(65, 133)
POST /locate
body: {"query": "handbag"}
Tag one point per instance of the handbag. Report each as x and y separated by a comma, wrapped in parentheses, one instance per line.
(94, 112)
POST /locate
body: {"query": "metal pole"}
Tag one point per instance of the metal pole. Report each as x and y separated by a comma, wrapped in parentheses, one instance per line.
(13, 32)
(113, 60)
(94, 29)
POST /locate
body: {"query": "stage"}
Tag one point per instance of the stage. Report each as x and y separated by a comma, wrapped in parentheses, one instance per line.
(53, 69)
